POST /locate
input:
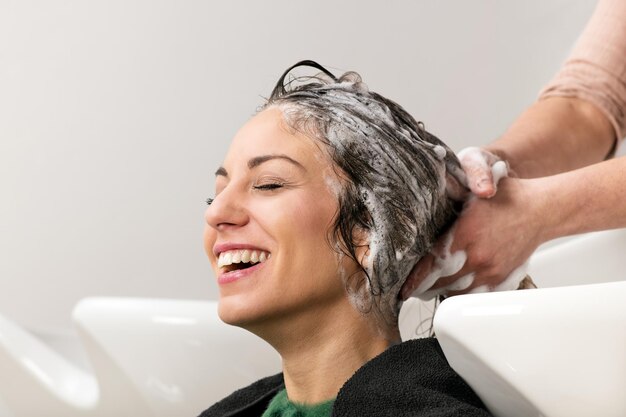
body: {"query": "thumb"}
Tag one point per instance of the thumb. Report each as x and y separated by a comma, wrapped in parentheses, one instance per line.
(477, 166)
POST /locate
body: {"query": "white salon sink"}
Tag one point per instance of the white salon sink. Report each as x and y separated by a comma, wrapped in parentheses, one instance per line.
(148, 358)
(555, 352)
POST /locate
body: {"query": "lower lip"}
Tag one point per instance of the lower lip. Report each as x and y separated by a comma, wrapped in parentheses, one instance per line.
(228, 277)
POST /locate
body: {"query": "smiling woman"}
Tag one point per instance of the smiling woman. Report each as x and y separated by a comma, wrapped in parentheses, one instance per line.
(325, 201)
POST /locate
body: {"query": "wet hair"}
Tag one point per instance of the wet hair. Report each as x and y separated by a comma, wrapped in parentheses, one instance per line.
(393, 178)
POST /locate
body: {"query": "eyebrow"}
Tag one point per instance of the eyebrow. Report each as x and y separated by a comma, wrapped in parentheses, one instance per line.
(258, 160)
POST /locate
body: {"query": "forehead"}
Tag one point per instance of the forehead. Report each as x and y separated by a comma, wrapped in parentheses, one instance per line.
(267, 133)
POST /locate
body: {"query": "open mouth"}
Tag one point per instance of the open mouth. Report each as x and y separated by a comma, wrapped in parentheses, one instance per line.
(238, 259)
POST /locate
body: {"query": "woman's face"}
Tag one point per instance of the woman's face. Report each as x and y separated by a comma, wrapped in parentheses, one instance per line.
(274, 204)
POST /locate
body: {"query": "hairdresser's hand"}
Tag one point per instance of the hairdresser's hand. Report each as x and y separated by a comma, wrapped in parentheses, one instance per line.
(489, 242)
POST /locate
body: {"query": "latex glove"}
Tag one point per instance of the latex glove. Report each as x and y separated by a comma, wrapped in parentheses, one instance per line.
(488, 247)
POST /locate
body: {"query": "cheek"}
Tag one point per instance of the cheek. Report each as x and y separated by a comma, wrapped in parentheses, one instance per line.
(314, 221)
(311, 218)
(298, 223)
(307, 228)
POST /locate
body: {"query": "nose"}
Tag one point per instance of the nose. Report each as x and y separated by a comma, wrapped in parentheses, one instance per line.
(227, 211)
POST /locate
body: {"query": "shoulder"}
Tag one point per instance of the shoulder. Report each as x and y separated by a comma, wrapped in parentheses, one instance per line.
(409, 379)
(249, 401)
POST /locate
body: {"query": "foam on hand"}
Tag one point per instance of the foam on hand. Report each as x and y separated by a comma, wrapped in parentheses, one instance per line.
(445, 264)
(499, 170)
(510, 283)
(475, 157)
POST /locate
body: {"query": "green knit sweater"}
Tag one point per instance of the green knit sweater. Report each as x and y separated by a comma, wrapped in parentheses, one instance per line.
(280, 406)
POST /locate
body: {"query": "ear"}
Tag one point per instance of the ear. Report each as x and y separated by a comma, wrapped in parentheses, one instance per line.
(361, 241)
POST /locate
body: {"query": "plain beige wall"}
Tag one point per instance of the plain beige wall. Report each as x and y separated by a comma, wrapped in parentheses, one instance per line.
(115, 114)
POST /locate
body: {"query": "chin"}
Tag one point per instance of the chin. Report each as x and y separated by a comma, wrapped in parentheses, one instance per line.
(235, 311)
(229, 312)
(265, 322)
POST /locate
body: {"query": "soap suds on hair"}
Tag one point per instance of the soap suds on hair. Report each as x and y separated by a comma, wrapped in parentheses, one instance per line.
(440, 151)
(393, 178)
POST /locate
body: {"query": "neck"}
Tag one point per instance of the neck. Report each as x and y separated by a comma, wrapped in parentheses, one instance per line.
(321, 352)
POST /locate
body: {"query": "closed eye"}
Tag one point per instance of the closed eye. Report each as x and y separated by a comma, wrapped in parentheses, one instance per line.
(266, 187)
(262, 187)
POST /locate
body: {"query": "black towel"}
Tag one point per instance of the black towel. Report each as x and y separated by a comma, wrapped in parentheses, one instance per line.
(409, 379)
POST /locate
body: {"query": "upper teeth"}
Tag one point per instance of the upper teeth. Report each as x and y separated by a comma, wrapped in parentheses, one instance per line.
(241, 255)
